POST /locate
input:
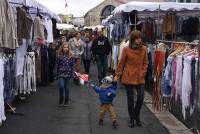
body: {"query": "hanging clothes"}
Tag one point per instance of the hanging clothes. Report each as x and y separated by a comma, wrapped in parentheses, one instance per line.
(9, 79)
(20, 57)
(186, 85)
(31, 80)
(149, 25)
(179, 75)
(8, 28)
(39, 31)
(169, 24)
(115, 52)
(159, 61)
(26, 83)
(24, 24)
(49, 28)
(2, 107)
(38, 66)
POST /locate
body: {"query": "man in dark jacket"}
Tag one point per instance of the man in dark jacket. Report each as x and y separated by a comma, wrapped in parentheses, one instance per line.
(101, 49)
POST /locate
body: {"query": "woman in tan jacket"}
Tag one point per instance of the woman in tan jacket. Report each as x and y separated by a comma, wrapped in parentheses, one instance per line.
(133, 67)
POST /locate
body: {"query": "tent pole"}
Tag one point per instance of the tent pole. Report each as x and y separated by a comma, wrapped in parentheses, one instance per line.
(198, 86)
(159, 21)
(135, 21)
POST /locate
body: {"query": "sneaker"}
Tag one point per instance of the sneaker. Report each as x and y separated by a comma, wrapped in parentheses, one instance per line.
(131, 124)
(66, 105)
(114, 125)
(100, 122)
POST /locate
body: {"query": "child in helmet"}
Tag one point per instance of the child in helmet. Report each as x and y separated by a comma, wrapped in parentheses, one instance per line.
(107, 92)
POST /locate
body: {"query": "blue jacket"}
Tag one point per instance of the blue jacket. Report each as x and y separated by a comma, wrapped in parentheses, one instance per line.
(103, 93)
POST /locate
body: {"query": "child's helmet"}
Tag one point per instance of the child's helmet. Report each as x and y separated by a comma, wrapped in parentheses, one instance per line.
(107, 79)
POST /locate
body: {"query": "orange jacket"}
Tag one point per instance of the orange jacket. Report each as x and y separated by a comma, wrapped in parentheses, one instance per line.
(133, 66)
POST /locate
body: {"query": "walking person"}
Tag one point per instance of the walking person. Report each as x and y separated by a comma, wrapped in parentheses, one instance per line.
(64, 71)
(76, 46)
(107, 93)
(87, 55)
(62, 40)
(101, 49)
(133, 67)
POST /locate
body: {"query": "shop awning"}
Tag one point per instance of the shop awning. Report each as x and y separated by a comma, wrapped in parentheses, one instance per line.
(36, 5)
(154, 6)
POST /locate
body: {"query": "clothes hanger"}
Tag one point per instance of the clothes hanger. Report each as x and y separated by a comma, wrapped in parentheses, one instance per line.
(180, 48)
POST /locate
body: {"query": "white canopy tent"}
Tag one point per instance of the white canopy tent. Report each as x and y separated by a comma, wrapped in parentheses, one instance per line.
(155, 6)
(36, 5)
(65, 26)
(94, 27)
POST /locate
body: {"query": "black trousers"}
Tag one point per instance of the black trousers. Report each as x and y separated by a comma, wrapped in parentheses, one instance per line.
(87, 66)
(134, 109)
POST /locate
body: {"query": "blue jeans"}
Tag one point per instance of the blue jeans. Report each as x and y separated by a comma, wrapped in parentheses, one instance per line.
(102, 66)
(63, 88)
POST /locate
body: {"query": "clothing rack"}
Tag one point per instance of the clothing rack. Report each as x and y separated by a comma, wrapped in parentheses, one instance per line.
(178, 42)
(16, 3)
(21, 4)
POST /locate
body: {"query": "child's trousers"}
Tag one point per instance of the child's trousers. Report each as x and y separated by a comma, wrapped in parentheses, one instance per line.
(107, 108)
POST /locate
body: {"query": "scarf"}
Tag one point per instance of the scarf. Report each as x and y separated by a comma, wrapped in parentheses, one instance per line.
(134, 46)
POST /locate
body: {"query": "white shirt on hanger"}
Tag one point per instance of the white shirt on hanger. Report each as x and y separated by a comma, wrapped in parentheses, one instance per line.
(2, 110)
(49, 27)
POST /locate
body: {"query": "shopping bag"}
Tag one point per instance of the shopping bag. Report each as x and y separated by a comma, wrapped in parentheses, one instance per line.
(83, 78)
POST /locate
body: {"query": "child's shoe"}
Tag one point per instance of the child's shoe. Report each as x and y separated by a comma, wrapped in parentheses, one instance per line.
(100, 122)
(114, 124)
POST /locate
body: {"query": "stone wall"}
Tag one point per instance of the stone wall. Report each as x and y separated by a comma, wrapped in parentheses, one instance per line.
(93, 17)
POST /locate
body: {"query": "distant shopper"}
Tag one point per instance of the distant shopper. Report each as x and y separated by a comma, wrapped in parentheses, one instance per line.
(133, 67)
(64, 70)
(87, 55)
(62, 40)
(76, 46)
(101, 49)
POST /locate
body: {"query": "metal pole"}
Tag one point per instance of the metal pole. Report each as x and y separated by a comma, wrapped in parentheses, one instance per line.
(198, 86)
(135, 22)
(159, 19)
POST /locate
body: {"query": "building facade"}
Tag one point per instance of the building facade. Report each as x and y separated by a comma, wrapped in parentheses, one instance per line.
(94, 16)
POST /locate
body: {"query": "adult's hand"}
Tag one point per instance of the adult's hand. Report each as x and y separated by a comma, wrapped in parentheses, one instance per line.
(116, 79)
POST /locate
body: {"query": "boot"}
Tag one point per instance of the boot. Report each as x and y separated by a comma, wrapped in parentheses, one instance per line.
(131, 124)
(100, 122)
(138, 123)
(114, 124)
(66, 103)
(60, 102)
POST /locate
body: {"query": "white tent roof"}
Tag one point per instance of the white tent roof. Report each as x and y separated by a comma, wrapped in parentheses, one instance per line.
(35, 4)
(62, 26)
(154, 6)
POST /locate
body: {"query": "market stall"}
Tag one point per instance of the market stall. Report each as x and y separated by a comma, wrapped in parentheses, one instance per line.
(27, 28)
(169, 30)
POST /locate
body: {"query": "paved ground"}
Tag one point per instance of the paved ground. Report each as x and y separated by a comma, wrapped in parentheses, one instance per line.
(42, 116)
